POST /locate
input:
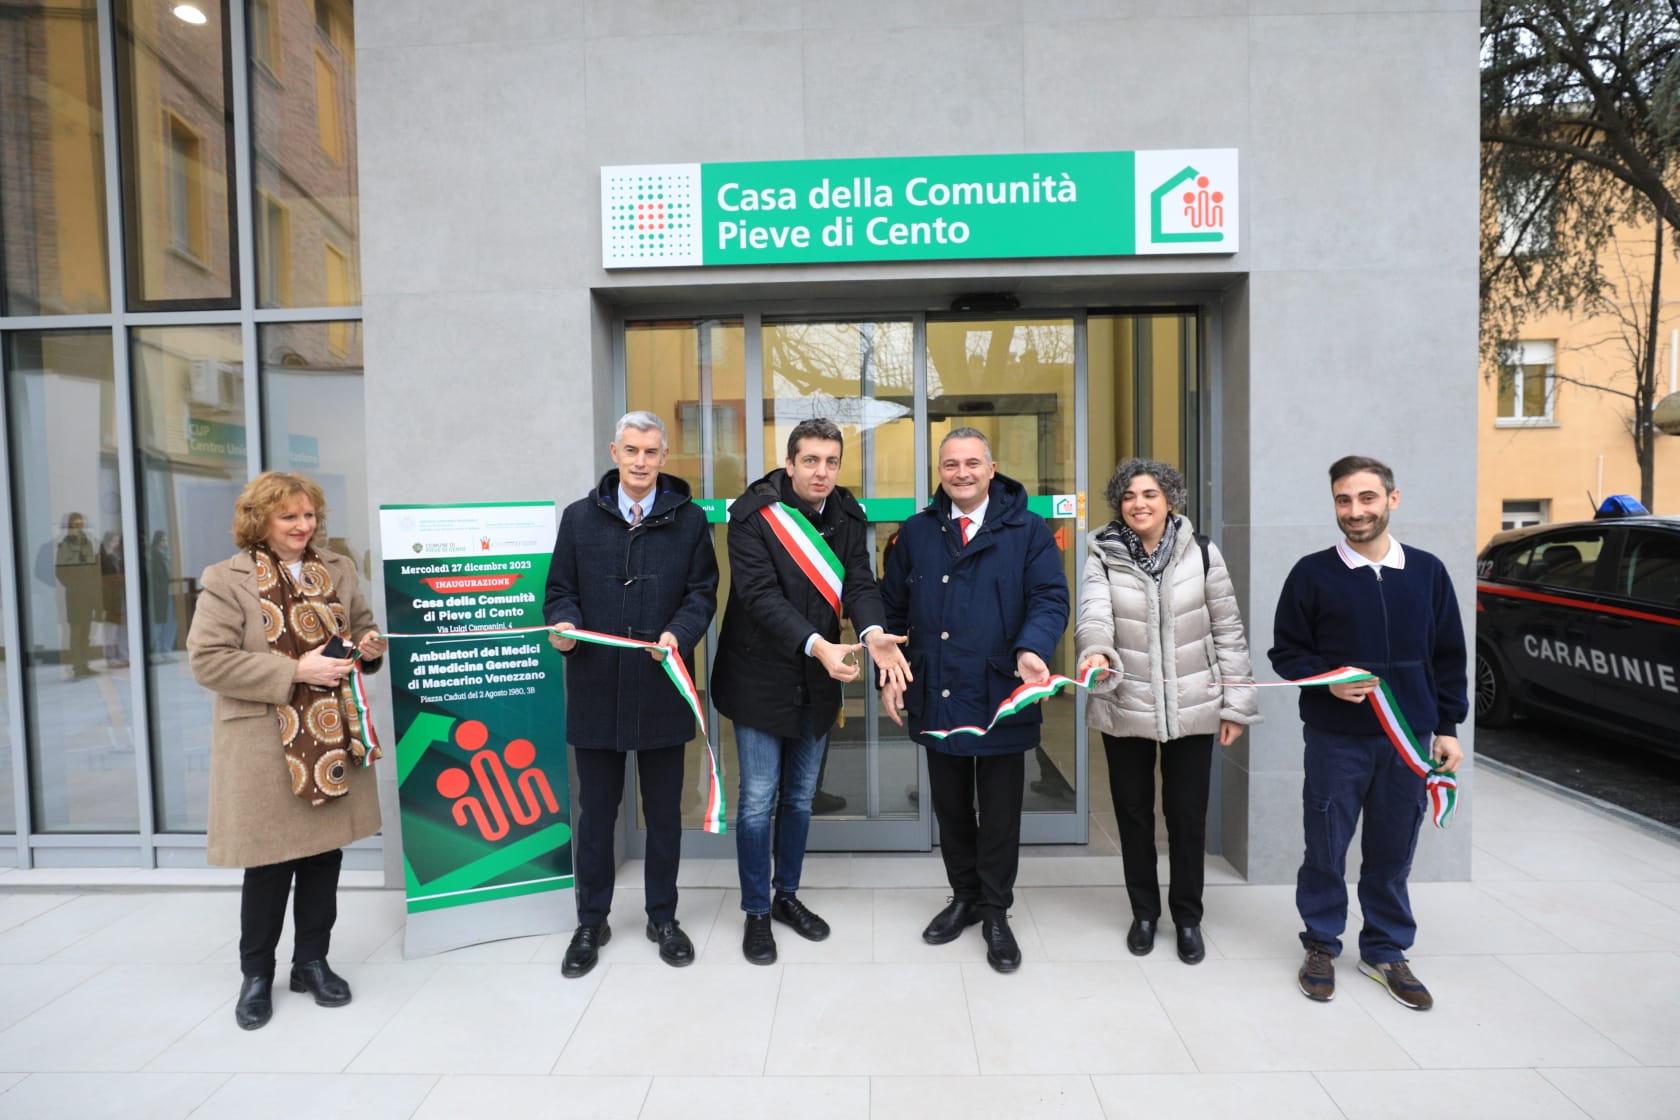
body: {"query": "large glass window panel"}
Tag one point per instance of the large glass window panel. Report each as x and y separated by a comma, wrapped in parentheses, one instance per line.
(303, 131)
(313, 423)
(1013, 380)
(861, 375)
(52, 160)
(189, 406)
(1142, 396)
(1142, 399)
(692, 375)
(67, 508)
(177, 153)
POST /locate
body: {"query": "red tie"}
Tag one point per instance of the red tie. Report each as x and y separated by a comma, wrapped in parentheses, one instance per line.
(963, 523)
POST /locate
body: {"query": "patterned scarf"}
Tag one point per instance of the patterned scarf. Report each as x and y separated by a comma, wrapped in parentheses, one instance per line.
(319, 725)
(1155, 563)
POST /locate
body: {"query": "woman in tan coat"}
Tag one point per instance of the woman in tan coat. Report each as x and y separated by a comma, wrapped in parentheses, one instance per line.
(1158, 605)
(291, 778)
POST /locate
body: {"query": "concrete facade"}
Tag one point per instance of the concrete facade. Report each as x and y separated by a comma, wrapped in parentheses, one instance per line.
(1346, 323)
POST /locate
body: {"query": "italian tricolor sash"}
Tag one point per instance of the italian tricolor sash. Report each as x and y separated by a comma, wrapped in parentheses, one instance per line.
(808, 550)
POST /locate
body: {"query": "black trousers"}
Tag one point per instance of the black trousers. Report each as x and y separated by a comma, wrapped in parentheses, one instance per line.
(982, 851)
(600, 774)
(1186, 765)
(262, 910)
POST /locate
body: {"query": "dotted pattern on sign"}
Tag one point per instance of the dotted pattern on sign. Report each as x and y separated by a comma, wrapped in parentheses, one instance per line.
(652, 217)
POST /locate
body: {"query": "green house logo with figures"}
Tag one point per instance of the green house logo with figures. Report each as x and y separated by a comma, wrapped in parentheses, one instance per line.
(1199, 203)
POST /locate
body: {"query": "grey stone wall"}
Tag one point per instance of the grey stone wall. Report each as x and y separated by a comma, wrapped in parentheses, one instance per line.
(1348, 319)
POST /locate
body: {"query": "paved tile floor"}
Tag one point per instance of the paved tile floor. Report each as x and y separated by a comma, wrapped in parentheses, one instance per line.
(1556, 972)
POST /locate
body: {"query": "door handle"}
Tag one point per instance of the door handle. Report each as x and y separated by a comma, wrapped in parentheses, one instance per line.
(1614, 622)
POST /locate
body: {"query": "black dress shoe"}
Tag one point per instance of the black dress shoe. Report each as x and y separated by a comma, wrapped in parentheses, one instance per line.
(675, 949)
(948, 924)
(320, 981)
(1140, 939)
(791, 912)
(256, 1002)
(1190, 948)
(1001, 951)
(758, 944)
(584, 950)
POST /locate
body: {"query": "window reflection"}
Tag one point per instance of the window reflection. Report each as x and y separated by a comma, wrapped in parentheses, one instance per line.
(1013, 380)
(8, 768)
(67, 507)
(189, 403)
(692, 374)
(177, 155)
(861, 376)
(313, 423)
(52, 160)
(303, 161)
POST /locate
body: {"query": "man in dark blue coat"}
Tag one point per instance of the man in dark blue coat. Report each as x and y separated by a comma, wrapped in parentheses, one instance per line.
(798, 560)
(978, 580)
(1369, 604)
(633, 559)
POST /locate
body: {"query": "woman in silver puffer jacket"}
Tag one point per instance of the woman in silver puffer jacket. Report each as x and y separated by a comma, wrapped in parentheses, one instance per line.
(1157, 604)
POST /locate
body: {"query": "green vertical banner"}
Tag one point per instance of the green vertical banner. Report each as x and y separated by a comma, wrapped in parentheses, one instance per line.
(478, 699)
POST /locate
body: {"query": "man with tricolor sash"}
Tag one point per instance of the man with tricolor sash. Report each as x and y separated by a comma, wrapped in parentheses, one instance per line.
(798, 561)
(1369, 604)
(632, 560)
(976, 583)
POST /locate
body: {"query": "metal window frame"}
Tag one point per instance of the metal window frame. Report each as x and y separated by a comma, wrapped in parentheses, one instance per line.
(26, 847)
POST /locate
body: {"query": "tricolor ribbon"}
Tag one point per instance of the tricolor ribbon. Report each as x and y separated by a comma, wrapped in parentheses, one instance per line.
(1439, 783)
(808, 550)
(364, 712)
(1023, 697)
(674, 668)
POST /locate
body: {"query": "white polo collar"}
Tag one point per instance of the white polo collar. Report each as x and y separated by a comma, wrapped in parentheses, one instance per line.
(1395, 557)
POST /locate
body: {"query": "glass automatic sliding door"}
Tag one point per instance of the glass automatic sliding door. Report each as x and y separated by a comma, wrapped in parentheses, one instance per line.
(861, 375)
(1062, 399)
(1013, 379)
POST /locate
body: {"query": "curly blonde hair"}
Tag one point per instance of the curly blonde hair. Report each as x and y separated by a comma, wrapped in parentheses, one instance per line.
(267, 493)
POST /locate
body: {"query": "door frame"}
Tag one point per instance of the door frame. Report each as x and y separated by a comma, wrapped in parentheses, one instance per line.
(920, 833)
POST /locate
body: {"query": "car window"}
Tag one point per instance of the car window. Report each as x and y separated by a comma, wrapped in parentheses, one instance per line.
(1650, 569)
(1510, 564)
(1568, 561)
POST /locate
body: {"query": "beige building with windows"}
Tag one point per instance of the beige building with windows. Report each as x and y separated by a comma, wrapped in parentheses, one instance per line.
(1551, 445)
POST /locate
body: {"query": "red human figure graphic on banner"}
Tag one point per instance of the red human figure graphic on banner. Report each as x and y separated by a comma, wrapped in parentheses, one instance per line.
(1204, 208)
(496, 796)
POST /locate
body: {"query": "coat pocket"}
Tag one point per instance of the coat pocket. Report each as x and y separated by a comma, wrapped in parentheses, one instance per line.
(231, 707)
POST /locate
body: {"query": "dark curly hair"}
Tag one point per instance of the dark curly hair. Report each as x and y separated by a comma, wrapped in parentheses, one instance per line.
(1165, 475)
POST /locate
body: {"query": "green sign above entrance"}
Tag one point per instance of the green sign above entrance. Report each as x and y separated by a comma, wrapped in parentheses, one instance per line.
(1069, 204)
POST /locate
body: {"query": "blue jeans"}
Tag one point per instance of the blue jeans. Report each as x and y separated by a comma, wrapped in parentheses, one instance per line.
(779, 773)
(1348, 776)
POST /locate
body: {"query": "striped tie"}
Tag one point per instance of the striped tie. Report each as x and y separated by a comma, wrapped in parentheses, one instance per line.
(635, 514)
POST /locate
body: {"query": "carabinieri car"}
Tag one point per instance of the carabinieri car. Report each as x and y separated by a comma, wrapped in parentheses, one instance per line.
(1582, 620)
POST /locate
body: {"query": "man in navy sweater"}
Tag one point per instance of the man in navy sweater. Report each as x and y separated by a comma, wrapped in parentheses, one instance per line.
(1369, 604)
